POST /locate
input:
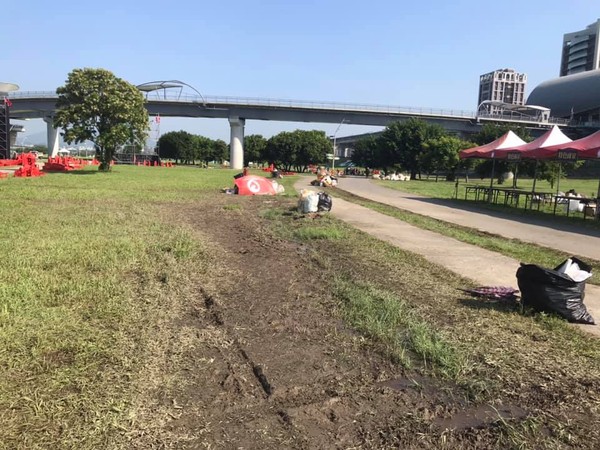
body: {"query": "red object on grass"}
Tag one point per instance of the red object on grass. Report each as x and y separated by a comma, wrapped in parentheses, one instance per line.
(29, 168)
(62, 164)
(253, 185)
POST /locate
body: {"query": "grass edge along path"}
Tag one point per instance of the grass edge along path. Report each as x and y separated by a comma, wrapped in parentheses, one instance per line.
(513, 248)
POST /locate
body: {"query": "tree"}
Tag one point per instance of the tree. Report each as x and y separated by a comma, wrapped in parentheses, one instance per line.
(402, 143)
(221, 150)
(204, 149)
(177, 145)
(366, 152)
(281, 150)
(297, 149)
(553, 171)
(255, 147)
(441, 154)
(95, 105)
(312, 148)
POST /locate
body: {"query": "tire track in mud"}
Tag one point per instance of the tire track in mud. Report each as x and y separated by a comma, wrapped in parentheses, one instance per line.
(217, 317)
(291, 375)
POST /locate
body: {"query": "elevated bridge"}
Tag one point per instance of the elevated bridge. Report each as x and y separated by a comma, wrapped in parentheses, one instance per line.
(42, 105)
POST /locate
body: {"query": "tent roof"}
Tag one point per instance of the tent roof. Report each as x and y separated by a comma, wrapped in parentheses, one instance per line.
(509, 139)
(551, 137)
(586, 147)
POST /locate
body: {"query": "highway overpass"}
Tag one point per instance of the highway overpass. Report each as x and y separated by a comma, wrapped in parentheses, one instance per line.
(42, 105)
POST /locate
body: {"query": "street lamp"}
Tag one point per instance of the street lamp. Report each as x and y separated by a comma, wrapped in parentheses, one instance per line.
(332, 156)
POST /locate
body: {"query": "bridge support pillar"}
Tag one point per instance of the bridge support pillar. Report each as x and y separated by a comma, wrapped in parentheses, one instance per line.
(236, 147)
(52, 137)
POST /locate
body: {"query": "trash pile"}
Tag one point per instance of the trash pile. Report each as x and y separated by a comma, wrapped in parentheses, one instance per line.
(560, 290)
(312, 202)
(394, 176)
(324, 178)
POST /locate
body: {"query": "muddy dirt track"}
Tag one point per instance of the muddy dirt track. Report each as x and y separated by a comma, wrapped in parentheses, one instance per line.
(260, 358)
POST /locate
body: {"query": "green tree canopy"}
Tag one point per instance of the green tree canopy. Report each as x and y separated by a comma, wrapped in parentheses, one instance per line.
(441, 154)
(281, 150)
(255, 147)
(94, 105)
(178, 145)
(402, 143)
(203, 148)
(313, 147)
(219, 151)
(297, 149)
(366, 152)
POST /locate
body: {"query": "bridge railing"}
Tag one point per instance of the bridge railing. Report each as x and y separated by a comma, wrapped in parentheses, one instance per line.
(279, 103)
(257, 102)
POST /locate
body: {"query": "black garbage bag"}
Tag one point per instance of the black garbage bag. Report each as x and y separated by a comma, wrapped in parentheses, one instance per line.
(550, 291)
(325, 202)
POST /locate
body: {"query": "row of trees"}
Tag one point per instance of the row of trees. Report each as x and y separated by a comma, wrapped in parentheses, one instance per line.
(187, 148)
(418, 147)
(413, 146)
(289, 151)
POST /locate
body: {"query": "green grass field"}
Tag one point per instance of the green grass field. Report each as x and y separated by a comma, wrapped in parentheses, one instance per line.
(85, 258)
(95, 269)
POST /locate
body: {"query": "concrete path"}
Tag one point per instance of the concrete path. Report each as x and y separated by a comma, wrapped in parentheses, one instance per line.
(484, 267)
(573, 239)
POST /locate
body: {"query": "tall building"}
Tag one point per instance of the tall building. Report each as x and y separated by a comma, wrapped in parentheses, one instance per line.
(504, 86)
(581, 50)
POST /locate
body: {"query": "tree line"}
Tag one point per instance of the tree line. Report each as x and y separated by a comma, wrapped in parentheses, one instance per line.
(188, 148)
(289, 151)
(421, 148)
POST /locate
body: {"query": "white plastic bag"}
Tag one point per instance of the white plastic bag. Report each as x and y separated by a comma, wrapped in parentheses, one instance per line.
(573, 271)
(308, 202)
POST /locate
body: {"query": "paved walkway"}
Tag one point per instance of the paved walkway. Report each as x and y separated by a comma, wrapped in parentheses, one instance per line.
(492, 269)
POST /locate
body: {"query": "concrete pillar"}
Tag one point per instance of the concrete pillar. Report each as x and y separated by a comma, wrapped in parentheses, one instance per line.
(52, 137)
(236, 147)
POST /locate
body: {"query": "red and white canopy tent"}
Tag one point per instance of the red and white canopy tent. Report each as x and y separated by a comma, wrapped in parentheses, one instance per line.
(584, 148)
(553, 144)
(509, 139)
(550, 138)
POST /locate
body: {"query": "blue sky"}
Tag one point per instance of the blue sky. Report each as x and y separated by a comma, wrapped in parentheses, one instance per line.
(422, 54)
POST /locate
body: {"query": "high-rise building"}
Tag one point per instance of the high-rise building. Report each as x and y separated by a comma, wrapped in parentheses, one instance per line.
(581, 50)
(504, 86)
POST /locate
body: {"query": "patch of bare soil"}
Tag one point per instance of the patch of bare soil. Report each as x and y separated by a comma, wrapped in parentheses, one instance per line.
(267, 363)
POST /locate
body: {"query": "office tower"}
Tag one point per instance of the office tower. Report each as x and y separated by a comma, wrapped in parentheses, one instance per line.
(503, 85)
(581, 50)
